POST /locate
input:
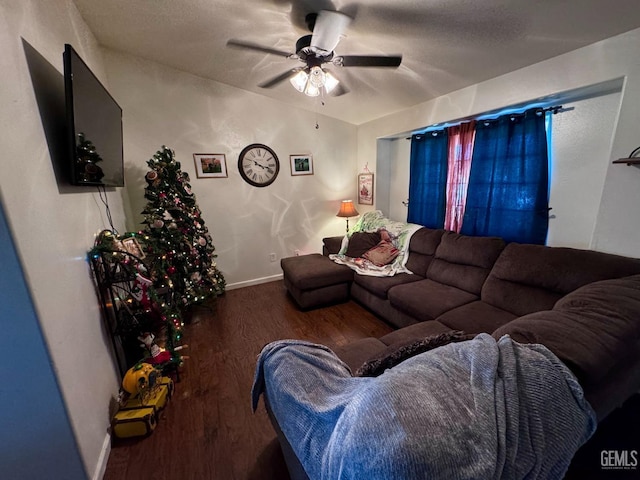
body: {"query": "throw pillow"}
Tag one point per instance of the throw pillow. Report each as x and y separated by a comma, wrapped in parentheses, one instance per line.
(360, 242)
(399, 352)
(382, 254)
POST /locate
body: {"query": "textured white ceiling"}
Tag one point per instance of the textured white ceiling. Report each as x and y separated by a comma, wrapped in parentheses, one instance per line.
(446, 44)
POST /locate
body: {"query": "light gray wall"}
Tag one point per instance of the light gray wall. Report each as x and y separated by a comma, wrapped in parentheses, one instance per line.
(36, 431)
(580, 144)
(53, 225)
(163, 106)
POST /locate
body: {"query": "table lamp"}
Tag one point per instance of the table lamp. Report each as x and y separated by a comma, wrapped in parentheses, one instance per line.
(347, 210)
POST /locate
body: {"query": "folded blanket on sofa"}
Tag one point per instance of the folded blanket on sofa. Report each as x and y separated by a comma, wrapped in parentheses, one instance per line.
(372, 222)
(475, 409)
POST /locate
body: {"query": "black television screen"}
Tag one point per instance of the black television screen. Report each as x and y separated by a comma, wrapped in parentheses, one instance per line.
(94, 123)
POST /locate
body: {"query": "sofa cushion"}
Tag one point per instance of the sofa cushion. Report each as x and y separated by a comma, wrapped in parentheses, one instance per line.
(382, 254)
(414, 332)
(464, 262)
(314, 271)
(379, 286)
(422, 248)
(530, 278)
(399, 352)
(359, 351)
(476, 317)
(426, 299)
(331, 245)
(591, 330)
(360, 242)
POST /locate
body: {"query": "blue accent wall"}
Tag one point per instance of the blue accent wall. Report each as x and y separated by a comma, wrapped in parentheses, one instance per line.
(36, 438)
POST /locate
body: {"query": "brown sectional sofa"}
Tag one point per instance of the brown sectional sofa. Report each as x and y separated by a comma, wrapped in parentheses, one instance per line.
(583, 305)
(482, 284)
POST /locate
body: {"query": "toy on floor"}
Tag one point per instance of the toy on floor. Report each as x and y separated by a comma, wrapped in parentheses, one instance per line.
(159, 355)
(144, 393)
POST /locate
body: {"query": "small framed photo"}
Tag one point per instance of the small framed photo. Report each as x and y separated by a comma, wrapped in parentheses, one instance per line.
(365, 188)
(301, 164)
(132, 246)
(210, 165)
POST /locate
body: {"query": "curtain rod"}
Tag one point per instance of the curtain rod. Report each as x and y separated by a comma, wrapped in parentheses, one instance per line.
(554, 110)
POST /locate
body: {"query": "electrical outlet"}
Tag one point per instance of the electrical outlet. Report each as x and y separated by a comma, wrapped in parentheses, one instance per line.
(272, 257)
(296, 252)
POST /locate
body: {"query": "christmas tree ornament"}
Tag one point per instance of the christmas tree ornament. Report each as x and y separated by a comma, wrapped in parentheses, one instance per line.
(158, 355)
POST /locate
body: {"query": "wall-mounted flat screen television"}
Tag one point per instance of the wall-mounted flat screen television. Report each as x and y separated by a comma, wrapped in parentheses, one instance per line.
(94, 126)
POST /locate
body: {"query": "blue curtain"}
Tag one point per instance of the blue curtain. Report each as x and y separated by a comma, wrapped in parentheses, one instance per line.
(428, 179)
(508, 183)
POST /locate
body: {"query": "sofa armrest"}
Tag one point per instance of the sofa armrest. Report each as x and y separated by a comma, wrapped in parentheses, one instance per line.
(331, 245)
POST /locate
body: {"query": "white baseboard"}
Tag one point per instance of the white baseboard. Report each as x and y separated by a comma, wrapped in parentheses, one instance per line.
(255, 281)
(101, 466)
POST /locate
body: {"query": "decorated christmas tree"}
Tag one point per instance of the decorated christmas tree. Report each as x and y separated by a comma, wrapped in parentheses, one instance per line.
(178, 245)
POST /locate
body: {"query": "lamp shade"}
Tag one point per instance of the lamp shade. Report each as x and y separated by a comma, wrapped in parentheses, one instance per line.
(347, 209)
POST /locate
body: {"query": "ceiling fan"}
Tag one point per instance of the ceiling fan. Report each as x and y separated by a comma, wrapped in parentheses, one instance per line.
(316, 50)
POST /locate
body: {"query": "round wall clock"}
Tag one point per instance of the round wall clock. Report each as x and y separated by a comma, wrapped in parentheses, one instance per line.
(258, 165)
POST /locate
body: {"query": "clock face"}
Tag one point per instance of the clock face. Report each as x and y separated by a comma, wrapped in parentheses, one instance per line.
(258, 165)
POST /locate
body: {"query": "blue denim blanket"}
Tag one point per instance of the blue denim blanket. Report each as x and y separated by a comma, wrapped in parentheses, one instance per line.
(480, 409)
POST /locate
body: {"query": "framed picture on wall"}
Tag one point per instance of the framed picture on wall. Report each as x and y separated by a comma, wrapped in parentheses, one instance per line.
(365, 188)
(210, 165)
(301, 164)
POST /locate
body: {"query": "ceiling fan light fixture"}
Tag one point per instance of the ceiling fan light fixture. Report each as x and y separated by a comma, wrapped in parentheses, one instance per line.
(311, 90)
(311, 81)
(299, 80)
(330, 82)
(316, 77)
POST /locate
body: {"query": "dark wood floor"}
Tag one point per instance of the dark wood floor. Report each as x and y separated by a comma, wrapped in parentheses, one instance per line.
(208, 430)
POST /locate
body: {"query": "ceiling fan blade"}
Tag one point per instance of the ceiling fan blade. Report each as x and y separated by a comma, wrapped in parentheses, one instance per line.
(328, 30)
(280, 78)
(258, 48)
(368, 61)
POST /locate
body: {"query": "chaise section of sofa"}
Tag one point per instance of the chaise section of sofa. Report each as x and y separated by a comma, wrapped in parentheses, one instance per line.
(314, 280)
